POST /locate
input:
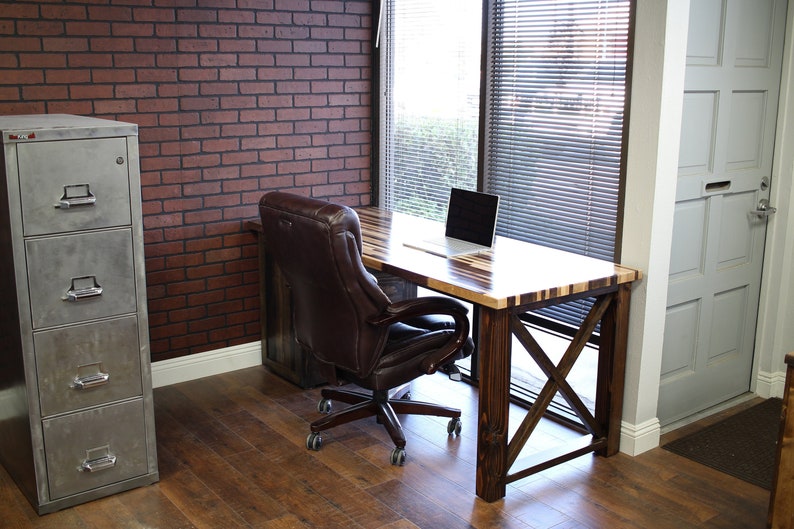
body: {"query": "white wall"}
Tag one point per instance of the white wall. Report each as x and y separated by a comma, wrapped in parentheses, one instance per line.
(654, 129)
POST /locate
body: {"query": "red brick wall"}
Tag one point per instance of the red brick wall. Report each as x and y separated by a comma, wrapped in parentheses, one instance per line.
(232, 98)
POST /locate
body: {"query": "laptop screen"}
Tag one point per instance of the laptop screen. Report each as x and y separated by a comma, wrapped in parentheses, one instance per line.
(471, 216)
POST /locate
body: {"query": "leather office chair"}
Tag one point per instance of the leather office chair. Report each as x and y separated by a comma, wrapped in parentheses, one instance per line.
(346, 321)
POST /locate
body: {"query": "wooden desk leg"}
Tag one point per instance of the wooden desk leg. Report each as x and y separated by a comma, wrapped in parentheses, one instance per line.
(494, 355)
(612, 369)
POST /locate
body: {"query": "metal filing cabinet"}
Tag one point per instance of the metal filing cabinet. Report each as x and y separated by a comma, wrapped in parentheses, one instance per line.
(76, 409)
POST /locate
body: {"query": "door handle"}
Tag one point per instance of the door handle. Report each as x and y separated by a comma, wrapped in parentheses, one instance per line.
(763, 210)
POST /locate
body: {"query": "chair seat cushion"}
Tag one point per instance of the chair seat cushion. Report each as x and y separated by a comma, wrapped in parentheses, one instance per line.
(403, 354)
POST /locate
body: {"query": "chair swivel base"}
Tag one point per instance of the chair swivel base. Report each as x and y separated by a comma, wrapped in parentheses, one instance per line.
(379, 405)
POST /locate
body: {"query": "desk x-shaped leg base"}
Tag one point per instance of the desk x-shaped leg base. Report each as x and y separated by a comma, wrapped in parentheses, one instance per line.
(611, 309)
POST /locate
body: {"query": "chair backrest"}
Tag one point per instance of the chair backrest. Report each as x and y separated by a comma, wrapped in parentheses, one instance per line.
(317, 245)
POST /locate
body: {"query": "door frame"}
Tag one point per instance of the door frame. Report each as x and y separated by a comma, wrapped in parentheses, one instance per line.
(774, 332)
(657, 96)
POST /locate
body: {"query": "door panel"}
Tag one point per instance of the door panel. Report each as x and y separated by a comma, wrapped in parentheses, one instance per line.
(746, 130)
(736, 241)
(681, 345)
(697, 133)
(734, 54)
(727, 330)
(686, 259)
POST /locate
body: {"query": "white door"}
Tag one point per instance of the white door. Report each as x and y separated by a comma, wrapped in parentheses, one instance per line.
(734, 56)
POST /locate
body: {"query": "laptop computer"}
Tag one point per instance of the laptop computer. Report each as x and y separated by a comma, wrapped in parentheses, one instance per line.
(470, 226)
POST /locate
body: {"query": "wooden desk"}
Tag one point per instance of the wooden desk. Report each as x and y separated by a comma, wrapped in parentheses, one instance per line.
(513, 278)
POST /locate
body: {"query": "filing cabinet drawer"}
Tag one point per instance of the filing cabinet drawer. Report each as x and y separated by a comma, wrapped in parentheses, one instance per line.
(87, 365)
(74, 185)
(96, 447)
(80, 277)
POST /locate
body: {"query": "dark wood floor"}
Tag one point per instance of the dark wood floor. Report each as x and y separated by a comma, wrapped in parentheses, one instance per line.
(231, 454)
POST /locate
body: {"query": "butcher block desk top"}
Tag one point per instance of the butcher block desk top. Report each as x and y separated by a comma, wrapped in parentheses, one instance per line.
(512, 274)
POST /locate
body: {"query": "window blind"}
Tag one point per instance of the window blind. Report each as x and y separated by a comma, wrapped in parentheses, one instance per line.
(555, 95)
(429, 114)
(554, 120)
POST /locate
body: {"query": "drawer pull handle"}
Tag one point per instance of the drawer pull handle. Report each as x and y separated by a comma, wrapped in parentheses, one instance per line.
(87, 381)
(83, 288)
(76, 195)
(97, 459)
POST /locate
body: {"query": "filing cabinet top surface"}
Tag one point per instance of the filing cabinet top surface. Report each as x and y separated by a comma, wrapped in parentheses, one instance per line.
(60, 126)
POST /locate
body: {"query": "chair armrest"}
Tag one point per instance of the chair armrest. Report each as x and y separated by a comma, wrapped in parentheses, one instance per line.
(424, 306)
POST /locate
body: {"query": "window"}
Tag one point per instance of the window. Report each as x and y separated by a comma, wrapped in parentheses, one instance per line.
(430, 102)
(552, 115)
(556, 86)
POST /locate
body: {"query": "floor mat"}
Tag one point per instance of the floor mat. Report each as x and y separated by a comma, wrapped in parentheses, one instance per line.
(742, 445)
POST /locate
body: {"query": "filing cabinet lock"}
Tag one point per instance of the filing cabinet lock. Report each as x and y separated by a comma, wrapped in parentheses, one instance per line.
(97, 459)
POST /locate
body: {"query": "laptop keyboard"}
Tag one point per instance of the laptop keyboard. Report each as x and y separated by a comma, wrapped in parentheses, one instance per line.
(458, 245)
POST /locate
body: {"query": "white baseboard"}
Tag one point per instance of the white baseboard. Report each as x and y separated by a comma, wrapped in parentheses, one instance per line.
(191, 367)
(770, 384)
(638, 438)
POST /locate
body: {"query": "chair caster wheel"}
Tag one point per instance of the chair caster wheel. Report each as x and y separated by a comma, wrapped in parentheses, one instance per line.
(314, 441)
(454, 426)
(398, 456)
(324, 406)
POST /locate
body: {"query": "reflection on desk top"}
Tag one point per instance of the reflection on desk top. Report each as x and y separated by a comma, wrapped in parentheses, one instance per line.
(513, 273)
